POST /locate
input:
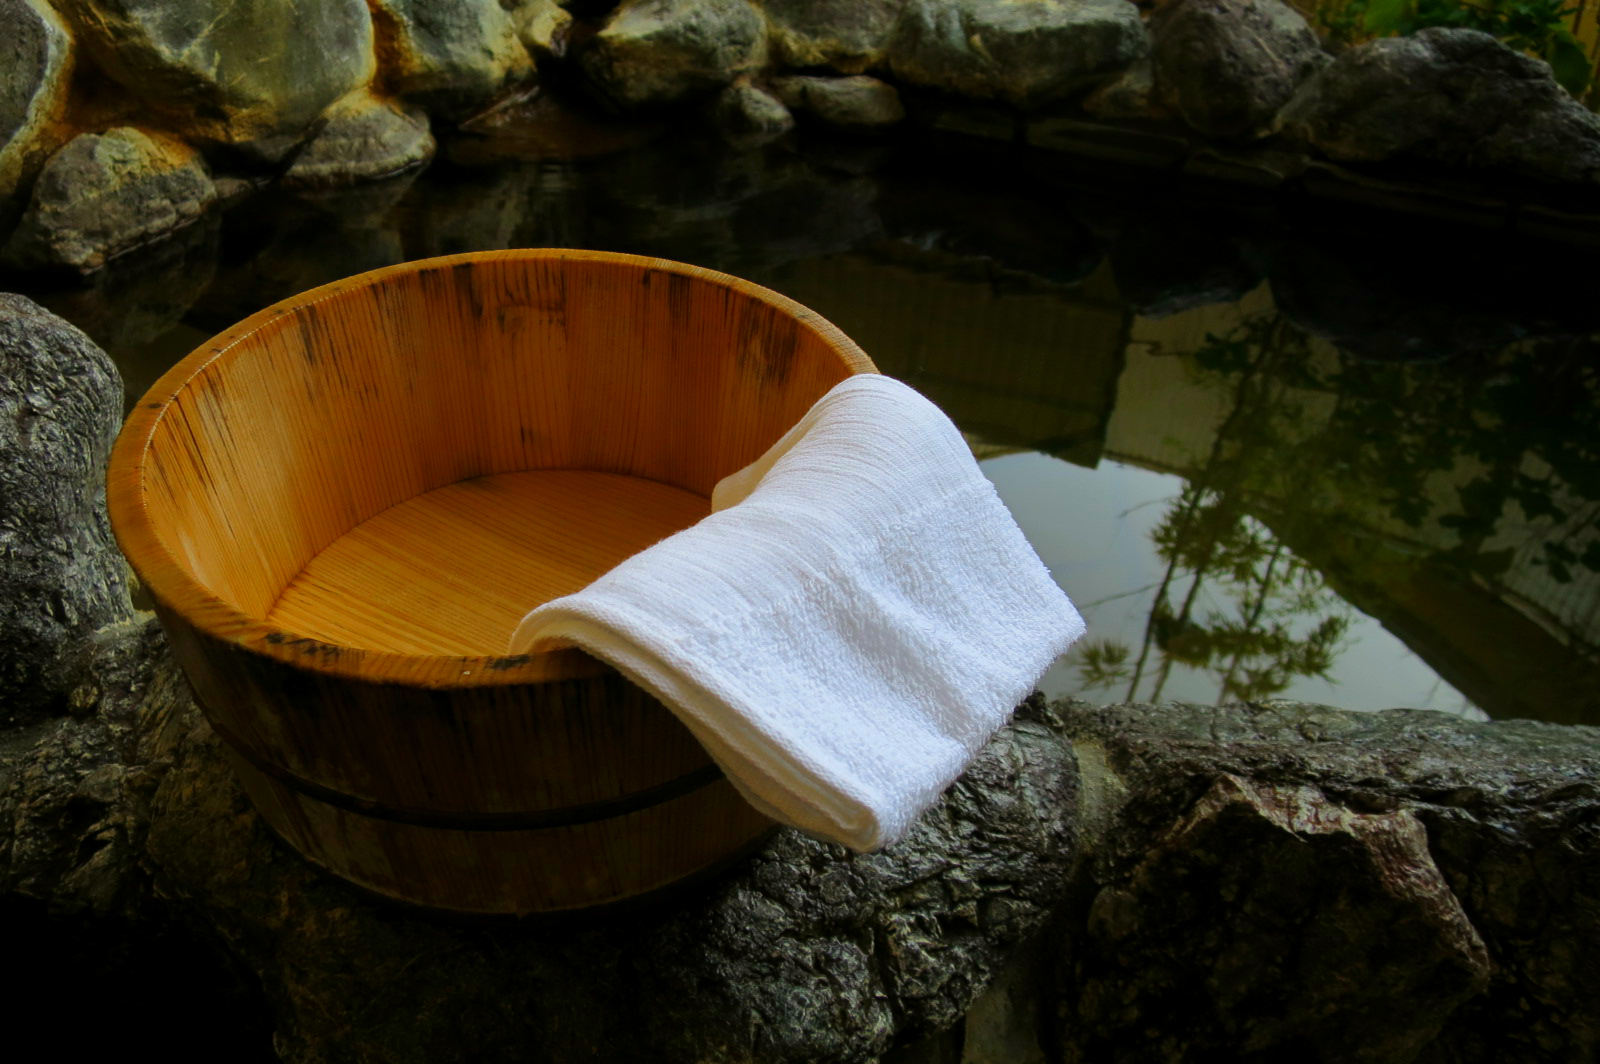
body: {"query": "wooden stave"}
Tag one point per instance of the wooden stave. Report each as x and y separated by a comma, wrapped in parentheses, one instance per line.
(514, 872)
(317, 728)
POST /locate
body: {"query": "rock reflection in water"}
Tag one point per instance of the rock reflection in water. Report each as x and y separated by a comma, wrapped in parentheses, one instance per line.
(1332, 481)
(1416, 303)
(136, 310)
(282, 243)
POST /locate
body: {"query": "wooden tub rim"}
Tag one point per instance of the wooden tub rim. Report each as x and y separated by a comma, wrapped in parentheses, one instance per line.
(178, 592)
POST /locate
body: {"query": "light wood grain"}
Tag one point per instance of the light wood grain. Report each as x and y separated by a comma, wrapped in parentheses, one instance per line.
(343, 504)
(454, 570)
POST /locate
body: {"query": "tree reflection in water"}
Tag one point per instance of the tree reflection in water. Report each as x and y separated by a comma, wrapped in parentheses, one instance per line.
(1254, 646)
(1457, 503)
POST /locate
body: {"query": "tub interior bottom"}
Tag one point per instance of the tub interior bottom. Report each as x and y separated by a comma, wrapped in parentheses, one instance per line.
(453, 571)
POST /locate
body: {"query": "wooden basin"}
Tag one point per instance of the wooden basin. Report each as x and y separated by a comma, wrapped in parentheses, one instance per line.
(343, 505)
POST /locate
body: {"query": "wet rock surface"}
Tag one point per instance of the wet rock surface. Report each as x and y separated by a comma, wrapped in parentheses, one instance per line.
(852, 104)
(543, 27)
(1271, 957)
(653, 53)
(364, 138)
(1448, 122)
(1228, 66)
(106, 194)
(1132, 95)
(848, 36)
(61, 577)
(1020, 51)
(1452, 97)
(35, 58)
(1283, 878)
(453, 57)
(746, 113)
(209, 71)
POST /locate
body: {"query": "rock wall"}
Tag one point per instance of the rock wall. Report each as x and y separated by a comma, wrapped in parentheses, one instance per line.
(136, 107)
(1257, 883)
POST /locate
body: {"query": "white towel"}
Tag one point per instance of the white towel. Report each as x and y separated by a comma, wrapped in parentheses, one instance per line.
(846, 629)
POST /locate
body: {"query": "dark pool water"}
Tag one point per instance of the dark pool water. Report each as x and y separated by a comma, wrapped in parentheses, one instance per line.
(1271, 450)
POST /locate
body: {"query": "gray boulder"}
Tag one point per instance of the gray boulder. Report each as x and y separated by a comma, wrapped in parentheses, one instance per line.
(543, 27)
(107, 193)
(747, 113)
(1280, 879)
(61, 577)
(851, 104)
(1239, 924)
(849, 36)
(364, 138)
(1026, 52)
(35, 57)
(453, 57)
(1131, 96)
(1228, 66)
(254, 73)
(1452, 97)
(653, 53)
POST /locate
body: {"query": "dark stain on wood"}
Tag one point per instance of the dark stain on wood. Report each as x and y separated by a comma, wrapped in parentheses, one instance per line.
(766, 353)
(313, 333)
(464, 276)
(680, 299)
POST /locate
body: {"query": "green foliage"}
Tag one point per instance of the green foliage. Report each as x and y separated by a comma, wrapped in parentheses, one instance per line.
(1537, 27)
(1269, 619)
(1344, 23)
(1102, 663)
(1279, 622)
(1568, 61)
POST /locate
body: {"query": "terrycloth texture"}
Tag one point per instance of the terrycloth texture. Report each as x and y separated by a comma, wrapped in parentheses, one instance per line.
(855, 618)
